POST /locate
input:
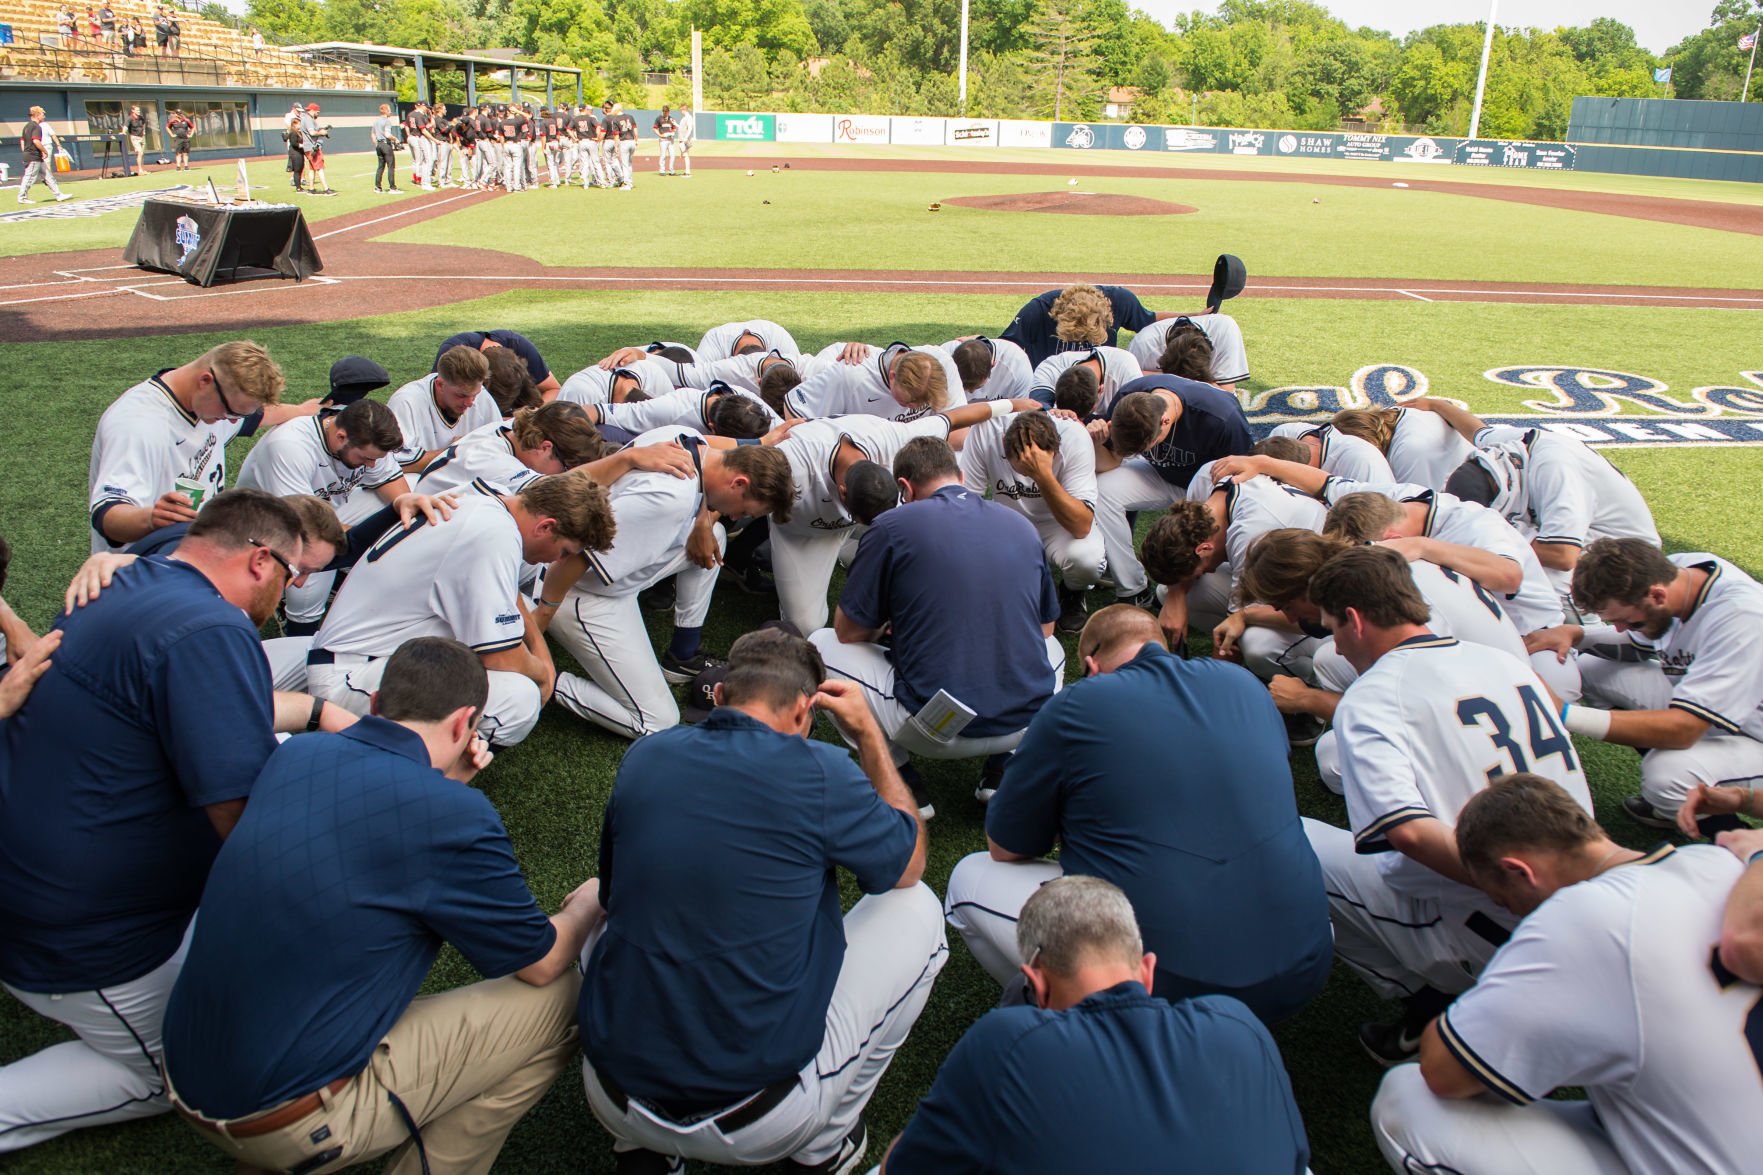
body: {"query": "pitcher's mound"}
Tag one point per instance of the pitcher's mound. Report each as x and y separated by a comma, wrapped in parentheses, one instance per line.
(1081, 203)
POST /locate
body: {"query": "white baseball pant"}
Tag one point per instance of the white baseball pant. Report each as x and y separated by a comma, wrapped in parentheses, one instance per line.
(1396, 942)
(594, 166)
(1333, 673)
(1417, 1131)
(665, 162)
(802, 562)
(1270, 652)
(1562, 677)
(1077, 563)
(625, 691)
(509, 716)
(626, 151)
(287, 661)
(871, 666)
(1716, 759)
(1208, 600)
(514, 165)
(37, 171)
(110, 1074)
(572, 160)
(609, 156)
(443, 164)
(986, 899)
(489, 162)
(422, 158)
(1132, 485)
(553, 152)
(894, 947)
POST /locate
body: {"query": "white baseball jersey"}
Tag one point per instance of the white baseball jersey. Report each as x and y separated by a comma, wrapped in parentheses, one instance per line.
(1566, 491)
(484, 454)
(1535, 604)
(1426, 728)
(684, 410)
(1230, 362)
(1424, 449)
(719, 341)
(1342, 455)
(1610, 985)
(1255, 505)
(865, 389)
(655, 513)
(424, 428)
(737, 371)
(295, 458)
(812, 447)
(1012, 373)
(1118, 367)
(145, 442)
(1711, 659)
(985, 469)
(593, 385)
(458, 579)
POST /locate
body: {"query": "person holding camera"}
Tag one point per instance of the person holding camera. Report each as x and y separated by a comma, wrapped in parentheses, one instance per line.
(312, 138)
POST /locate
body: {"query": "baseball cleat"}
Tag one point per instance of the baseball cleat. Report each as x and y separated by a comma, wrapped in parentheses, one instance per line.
(1641, 812)
(681, 670)
(1387, 1042)
(920, 791)
(1302, 730)
(659, 597)
(1074, 611)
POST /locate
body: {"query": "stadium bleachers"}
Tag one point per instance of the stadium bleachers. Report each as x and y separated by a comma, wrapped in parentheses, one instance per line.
(211, 53)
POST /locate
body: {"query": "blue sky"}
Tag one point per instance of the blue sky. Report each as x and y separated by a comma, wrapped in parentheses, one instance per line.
(1657, 25)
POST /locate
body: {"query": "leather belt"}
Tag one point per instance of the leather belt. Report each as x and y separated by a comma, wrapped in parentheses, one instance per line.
(744, 1113)
(267, 1122)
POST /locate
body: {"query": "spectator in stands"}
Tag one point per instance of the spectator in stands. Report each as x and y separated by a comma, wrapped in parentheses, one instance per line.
(256, 43)
(36, 144)
(131, 36)
(94, 29)
(176, 30)
(161, 32)
(107, 24)
(65, 26)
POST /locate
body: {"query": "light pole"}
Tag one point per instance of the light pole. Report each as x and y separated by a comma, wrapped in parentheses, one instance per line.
(964, 57)
(1481, 80)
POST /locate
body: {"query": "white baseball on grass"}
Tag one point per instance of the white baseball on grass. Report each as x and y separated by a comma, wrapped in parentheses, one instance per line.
(1073, 183)
(749, 173)
(1315, 200)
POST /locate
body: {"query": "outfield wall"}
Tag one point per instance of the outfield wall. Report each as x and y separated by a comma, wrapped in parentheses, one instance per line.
(1696, 146)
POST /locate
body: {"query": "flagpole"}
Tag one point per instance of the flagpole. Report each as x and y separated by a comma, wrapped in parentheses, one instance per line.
(1481, 78)
(1755, 37)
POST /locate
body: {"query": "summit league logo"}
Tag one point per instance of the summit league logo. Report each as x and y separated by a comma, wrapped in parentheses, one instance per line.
(188, 238)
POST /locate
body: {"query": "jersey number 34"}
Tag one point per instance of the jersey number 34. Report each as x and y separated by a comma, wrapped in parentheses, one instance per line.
(1546, 736)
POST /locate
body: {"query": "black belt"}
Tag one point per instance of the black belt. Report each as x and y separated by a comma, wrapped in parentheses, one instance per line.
(739, 1118)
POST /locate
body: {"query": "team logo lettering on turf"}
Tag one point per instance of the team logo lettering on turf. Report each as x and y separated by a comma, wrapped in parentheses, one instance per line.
(96, 206)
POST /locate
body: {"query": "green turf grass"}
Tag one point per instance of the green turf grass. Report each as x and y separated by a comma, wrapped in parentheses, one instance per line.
(552, 788)
(810, 219)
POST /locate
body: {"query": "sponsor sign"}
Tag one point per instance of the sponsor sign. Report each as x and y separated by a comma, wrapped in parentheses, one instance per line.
(1134, 138)
(1021, 133)
(1292, 143)
(188, 236)
(747, 128)
(1422, 150)
(1363, 147)
(1181, 138)
(804, 128)
(1247, 142)
(1511, 153)
(927, 132)
(1597, 405)
(966, 133)
(860, 128)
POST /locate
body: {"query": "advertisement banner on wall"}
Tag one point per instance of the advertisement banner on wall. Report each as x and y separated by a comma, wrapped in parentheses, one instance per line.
(1358, 146)
(1248, 143)
(1187, 138)
(1302, 143)
(1013, 132)
(804, 128)
(923, 132)
(967, 132)
(860, 128)
(1508, 153)
(1421, 149)
(747, 128)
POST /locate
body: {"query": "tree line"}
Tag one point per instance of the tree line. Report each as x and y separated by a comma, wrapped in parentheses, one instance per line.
(1270, 63)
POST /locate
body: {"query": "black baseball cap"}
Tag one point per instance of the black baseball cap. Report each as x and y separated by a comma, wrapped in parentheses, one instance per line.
(701, 693)
(352, 377)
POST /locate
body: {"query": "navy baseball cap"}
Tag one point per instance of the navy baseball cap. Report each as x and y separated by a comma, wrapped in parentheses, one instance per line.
(701, 695)
(352, 377)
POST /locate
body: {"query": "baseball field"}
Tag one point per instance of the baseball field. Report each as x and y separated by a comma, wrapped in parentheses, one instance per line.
(1628, 310)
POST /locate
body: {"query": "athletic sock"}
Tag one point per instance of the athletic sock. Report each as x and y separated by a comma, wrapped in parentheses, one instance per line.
(685, 642)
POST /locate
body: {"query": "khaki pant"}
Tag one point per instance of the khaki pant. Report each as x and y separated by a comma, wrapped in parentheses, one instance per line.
(466, 1063)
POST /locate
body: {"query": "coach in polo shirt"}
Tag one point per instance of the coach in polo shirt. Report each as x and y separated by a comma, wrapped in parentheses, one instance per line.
(964, 586)
(1168, 778)
(1098, 1075)
(293, 1040)
(727, 1013)
(123, 771)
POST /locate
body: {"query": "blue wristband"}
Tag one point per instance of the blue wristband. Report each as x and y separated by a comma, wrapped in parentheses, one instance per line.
(1753, 858)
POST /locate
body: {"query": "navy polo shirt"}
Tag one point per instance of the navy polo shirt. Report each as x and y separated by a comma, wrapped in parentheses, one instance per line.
(513, 340)
(159, 704)
(1169, 778)
(1034, 330)
(724, 935)
(1212, 425)
(354, 861)
(964, 582)
(1119, 1082)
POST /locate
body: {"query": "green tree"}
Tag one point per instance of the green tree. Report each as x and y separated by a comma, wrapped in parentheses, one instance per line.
(766, 25)
(1062, 62)
(287, 20)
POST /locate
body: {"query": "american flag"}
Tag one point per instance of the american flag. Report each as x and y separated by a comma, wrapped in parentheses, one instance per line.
(1748, 41)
